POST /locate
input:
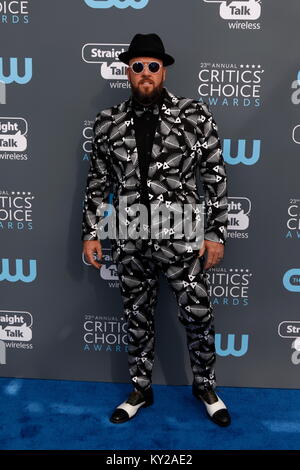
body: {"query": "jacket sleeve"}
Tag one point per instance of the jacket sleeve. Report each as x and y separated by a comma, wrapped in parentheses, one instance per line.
(98, 182)
(213, 175)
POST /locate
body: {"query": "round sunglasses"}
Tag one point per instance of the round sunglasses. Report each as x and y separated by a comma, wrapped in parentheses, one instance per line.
(138, 67)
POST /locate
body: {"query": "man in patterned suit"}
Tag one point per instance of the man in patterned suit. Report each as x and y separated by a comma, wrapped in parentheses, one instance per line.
(148, 149)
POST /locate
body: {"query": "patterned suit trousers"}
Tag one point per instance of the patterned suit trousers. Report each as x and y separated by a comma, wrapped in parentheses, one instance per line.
(138, 263)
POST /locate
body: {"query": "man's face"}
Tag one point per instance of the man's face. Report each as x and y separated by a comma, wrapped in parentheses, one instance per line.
(146, 86)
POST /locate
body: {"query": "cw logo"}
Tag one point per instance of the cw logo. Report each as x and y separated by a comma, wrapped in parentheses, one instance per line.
(116, 3)
(230, 349)
(18, 270)
(291, 280)
(13, 75)
(241, 154)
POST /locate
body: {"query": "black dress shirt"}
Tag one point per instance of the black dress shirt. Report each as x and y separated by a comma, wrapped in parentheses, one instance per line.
(145, 120)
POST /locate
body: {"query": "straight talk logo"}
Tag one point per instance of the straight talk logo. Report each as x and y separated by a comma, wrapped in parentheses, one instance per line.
(107, 56)
(232, 10)
(291, 329)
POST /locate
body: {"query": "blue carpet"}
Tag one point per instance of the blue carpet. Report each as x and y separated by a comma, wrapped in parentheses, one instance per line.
(60, 414)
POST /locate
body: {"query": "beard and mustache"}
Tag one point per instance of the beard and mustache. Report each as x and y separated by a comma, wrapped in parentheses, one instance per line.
(147, 98)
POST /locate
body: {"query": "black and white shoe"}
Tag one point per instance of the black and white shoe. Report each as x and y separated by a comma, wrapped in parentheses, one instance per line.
(215, 407)
(130, 407)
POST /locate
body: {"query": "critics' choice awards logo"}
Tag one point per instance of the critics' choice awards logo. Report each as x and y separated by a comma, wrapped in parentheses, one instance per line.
(15, 326)
(229, 286)
(293, 219)
(137, 4)
(16, 210)
(106, 55)
(239, 14)
(109, 334)
(106, 334)
(87, 134)
(14, 11)
(108, 270)
(290, 329)
(230, 84)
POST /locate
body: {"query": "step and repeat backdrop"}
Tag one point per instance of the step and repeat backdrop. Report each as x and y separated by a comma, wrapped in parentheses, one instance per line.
(60, 318)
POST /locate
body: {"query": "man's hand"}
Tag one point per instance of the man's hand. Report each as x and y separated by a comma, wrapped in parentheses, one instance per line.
(90, 247)
(215, 253)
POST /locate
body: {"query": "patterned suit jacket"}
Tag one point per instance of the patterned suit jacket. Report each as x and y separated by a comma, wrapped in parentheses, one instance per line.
(186, 138)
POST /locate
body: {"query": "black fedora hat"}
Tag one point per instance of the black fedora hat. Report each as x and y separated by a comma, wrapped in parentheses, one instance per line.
(146, 45)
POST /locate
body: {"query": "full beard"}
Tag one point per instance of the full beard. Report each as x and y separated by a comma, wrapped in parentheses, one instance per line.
(147, 98)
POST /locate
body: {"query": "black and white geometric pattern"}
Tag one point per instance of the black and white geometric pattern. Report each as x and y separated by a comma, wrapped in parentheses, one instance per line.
(138, 266)
(186, 137)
